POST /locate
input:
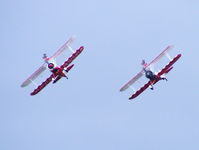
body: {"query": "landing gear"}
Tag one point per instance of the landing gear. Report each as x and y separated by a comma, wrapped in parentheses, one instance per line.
(151, 87)
(66, 72)
(164, 79)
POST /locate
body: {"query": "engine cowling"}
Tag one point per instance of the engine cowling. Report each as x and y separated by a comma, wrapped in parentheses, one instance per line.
(51, 66)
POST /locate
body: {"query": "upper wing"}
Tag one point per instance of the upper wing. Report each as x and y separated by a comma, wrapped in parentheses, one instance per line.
(133, 80)
(34, 75)
(61, 49)
(72, 57)
(160, 56)
(40, 87)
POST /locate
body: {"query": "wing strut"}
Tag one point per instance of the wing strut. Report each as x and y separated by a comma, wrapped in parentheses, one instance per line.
(131, 87)
(70, 48)
(34, 82)
(168, 56)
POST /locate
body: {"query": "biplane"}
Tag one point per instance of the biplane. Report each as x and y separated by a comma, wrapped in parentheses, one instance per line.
(57, 72)
(149, 72)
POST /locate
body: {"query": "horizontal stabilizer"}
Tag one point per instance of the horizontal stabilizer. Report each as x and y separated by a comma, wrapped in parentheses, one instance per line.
(70, 67)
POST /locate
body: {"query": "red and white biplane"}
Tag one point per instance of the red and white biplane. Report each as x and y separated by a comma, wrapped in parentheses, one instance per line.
(57, 72)
(148, 71)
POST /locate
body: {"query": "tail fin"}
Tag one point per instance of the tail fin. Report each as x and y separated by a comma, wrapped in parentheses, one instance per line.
(143, 63)
(45, 58)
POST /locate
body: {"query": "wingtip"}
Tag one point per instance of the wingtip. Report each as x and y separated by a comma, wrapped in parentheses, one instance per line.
(131, 98)
(72, 38)
(81, 48)
(22, 85)
(121, 89)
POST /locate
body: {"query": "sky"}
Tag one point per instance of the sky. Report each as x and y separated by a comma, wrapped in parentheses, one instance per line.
(87, 111)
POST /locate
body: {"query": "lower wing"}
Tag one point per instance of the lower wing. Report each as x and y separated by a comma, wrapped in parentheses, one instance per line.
(138, 92)
(71, 58)
(41, 86)
(169, 65)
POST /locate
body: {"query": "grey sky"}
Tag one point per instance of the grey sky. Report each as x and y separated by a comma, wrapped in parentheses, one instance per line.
(88, 111)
